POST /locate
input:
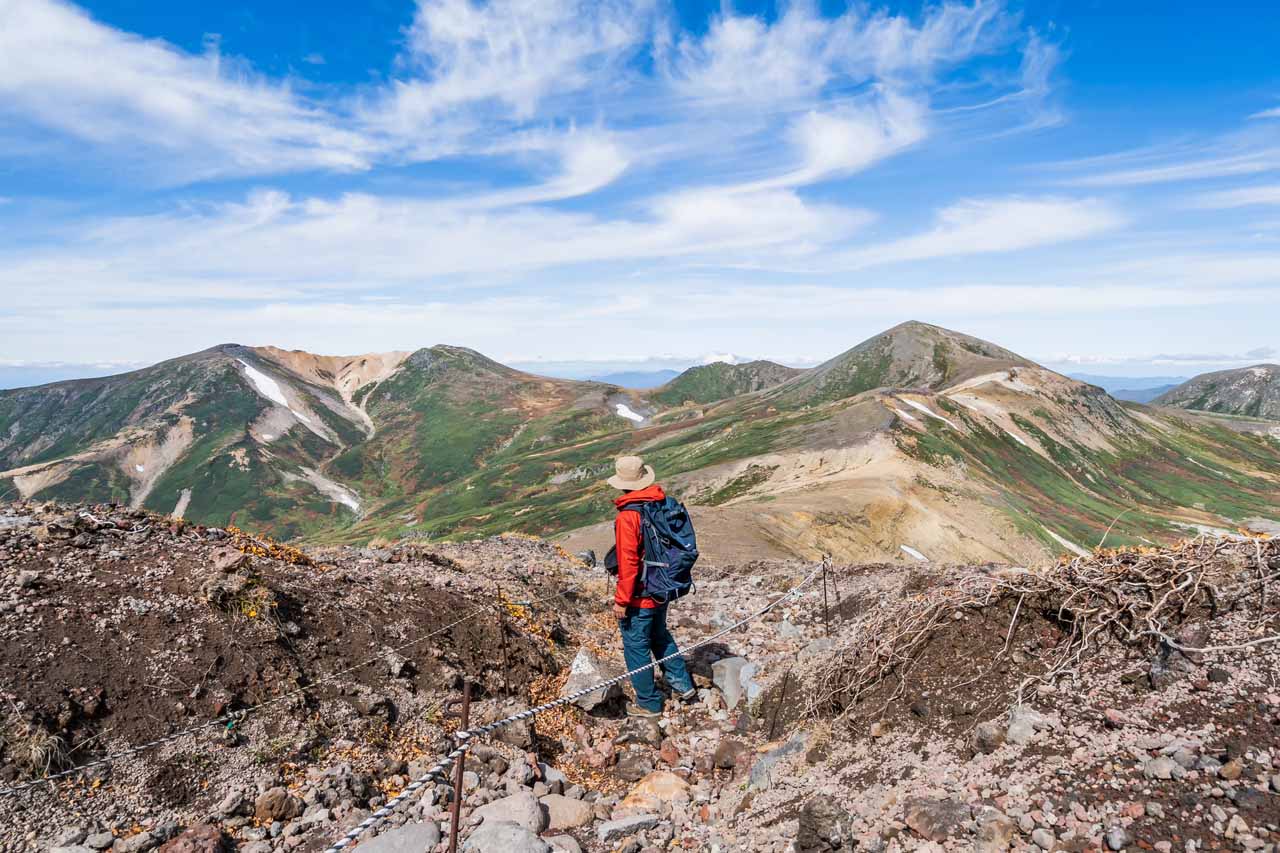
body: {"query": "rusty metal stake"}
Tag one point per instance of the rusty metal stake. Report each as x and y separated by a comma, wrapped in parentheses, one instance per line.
(782, 697)
(455, 814)
(826, 617)
(502, 636)
(835, 585)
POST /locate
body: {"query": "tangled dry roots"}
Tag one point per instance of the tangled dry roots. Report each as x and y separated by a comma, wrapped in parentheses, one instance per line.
(1136, 597)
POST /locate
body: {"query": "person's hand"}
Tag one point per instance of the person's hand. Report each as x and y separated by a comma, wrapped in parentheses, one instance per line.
(619, 611)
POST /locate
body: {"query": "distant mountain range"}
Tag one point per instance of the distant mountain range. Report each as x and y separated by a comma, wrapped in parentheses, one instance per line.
(920, 440)
(1135, 389)
(638, 379)
(1247, 392)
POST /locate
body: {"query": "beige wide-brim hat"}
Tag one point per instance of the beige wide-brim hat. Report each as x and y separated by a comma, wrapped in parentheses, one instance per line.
(632, 474)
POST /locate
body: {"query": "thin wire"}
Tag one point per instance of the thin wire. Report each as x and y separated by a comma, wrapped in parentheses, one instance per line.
(233, 718)
(462, 738)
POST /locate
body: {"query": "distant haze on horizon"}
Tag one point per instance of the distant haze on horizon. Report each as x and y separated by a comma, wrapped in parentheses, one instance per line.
(17, 375)
(579, 183)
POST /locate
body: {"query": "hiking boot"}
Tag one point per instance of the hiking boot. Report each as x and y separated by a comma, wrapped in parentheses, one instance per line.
(690, 695)
(634, 710)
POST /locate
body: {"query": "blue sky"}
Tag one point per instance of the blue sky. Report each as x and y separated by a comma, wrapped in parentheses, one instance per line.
(630, 180)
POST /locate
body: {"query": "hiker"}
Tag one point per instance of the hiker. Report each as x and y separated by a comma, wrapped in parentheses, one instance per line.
(642, 617)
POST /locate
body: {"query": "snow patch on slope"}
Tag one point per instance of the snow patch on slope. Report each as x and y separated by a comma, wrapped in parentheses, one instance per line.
(625, 411)
(1066, 543)
(269, 388)
(912, 552)
(184, 498)
(923, 408)
(335, 492)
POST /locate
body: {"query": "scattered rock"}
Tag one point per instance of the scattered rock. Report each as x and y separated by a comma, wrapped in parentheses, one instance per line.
(410, 838)
(1043, 839)
(761, 771)
(988, 737)
(729, 753)
(824, 826)
(634, 765)
(735, 677)
(995, 830)
(228, 560)
(564, 843)
(661, 786)
(503, 837)
(615, 830)
(565, 812)
(138, 843)
(935, 819)
(588, 669)
(523, 809)
(1117, 838)
(1231, 770)
(276, 804)
(639, 730)
(1163, 768)
(1023, 725)
(198, 839)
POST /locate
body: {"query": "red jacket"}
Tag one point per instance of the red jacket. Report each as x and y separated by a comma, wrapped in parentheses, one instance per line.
(626, 532)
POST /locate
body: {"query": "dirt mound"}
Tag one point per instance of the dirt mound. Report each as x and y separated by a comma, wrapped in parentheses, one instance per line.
(120, 627)
(1129, 691)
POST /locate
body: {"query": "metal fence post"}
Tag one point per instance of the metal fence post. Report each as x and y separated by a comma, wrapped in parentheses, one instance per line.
(456, 813)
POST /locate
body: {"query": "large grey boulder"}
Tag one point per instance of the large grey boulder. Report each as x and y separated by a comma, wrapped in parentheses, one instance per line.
(588, 669)
(565, 812)
(410, 838)
(523, 809)
(504, 837)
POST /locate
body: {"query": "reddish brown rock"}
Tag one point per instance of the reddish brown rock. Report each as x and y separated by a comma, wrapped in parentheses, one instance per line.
(198, 839)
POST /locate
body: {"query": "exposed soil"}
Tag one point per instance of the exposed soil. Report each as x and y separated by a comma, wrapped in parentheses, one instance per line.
(1134, 746)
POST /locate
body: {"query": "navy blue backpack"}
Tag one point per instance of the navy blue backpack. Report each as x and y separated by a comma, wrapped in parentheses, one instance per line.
(669, 549)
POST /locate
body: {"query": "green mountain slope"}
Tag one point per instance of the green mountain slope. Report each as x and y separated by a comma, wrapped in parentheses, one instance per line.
(920, 437)
(911, 355)
(710, 383)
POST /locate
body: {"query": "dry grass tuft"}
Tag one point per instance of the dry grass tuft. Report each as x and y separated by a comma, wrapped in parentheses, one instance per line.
(34, 749)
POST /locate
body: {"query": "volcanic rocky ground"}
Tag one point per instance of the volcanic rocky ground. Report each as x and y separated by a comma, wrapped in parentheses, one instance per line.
(976, 707)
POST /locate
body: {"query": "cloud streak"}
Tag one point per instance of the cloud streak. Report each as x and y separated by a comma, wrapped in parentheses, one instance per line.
(61, 69)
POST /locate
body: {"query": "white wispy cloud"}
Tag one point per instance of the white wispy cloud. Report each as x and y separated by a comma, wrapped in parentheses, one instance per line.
(979, 226)
(1250, 149)
(1268, 194)
(1199, 359)
(65, 71)
(741, 58)
(274, 242)
(509, 56)
(1249, 163)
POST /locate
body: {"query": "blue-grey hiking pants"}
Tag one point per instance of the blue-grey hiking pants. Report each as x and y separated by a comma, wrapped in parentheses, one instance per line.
(645, 638)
